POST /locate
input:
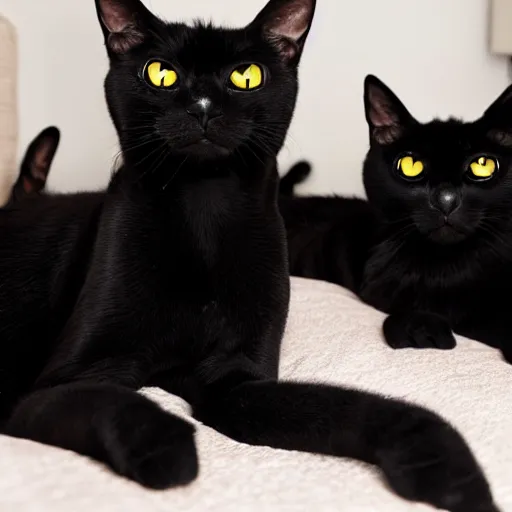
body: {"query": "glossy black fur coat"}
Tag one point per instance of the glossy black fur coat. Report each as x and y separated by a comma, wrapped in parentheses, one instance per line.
(178, 278)
(434, 252)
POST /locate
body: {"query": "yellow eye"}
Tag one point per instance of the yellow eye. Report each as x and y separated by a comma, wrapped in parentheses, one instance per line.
(483, 167)
(409, 167)
(247, 77)
(160, 74)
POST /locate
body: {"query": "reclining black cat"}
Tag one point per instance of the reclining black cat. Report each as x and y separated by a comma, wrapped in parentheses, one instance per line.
(432, 246)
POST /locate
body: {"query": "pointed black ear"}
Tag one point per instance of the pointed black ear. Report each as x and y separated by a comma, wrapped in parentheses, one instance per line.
(504, 101)
(497, 119)
(36, 164)
(124, 23)
(386, 115)
(286, 23)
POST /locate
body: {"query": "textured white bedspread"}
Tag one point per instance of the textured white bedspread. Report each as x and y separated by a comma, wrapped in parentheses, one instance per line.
(333, 338)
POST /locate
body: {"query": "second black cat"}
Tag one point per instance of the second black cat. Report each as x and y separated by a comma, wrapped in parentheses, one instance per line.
(432, 246)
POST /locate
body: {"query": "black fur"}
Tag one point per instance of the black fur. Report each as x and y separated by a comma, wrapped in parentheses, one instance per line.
(186, 284)
(36, 165)
(297, 174)
(432, 270)
(329, 238)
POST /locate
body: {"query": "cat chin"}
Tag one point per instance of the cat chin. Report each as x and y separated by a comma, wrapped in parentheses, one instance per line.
(447, 235)
(203, 149)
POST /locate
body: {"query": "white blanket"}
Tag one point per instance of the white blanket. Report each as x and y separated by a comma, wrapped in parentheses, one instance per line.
(332, 338)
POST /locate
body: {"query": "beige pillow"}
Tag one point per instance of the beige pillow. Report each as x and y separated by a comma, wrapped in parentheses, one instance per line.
(8, 108)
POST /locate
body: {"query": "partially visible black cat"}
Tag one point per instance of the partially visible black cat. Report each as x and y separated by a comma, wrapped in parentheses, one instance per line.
(433, 244)
(186, 284)
(36, 165)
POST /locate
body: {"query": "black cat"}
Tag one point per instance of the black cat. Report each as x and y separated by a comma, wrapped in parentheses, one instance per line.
(186, 284)
(433, 244)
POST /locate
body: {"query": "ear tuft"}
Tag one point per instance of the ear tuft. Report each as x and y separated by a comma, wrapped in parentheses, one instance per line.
(385, 113)
(123, 23)
(286, 24)
(122, 42)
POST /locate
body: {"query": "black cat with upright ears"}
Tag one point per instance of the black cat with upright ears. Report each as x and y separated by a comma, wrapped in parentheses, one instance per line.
(186, 283)
(432, 246)
(443, 194)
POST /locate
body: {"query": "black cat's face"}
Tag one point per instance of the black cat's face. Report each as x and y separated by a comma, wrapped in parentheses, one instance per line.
(447, 180)
(200, 91)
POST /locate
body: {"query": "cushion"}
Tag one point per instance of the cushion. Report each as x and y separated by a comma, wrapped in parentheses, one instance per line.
(8, 110)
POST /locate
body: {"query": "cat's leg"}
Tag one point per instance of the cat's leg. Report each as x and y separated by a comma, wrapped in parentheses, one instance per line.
(113, 425)
(418, 329)
(422, 457)
(491, 328)
(506, 351)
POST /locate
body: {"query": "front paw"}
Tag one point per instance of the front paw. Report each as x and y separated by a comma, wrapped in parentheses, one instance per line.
(418, 330)
(145, 444)
(426, 460)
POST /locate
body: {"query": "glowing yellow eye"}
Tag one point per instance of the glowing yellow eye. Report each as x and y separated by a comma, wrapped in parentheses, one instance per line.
(483, 167)
(247, 77)
(159, 74)
(410, 168)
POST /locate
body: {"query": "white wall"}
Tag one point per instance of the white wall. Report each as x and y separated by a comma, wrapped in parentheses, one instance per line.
(433, 53)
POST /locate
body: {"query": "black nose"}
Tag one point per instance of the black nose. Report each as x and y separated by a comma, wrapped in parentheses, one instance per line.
(204, 111)
(446, 199)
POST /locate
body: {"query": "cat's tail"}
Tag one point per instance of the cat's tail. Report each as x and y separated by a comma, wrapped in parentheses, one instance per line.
(296, 175)
(422, 457)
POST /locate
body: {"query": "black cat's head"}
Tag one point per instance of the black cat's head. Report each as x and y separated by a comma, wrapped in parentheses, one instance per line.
(201, 91)
(447, 180)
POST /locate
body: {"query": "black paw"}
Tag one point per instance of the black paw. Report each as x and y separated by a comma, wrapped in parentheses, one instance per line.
(427, 460)
(146, 444)
(507, 352)
(418, 330)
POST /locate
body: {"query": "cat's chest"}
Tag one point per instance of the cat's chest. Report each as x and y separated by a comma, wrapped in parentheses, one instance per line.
(209, 249)
(414, 282)
(199, 299)
(210, 216)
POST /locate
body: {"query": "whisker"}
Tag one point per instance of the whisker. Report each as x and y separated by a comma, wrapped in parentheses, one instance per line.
(156, 163)
(255, 154)
(151, 153)
(241, 156)
(175, 173)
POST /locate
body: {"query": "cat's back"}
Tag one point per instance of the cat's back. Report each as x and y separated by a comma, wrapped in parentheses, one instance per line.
(45, 244)
(41, 230)
(301, 211)
(329, 238)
